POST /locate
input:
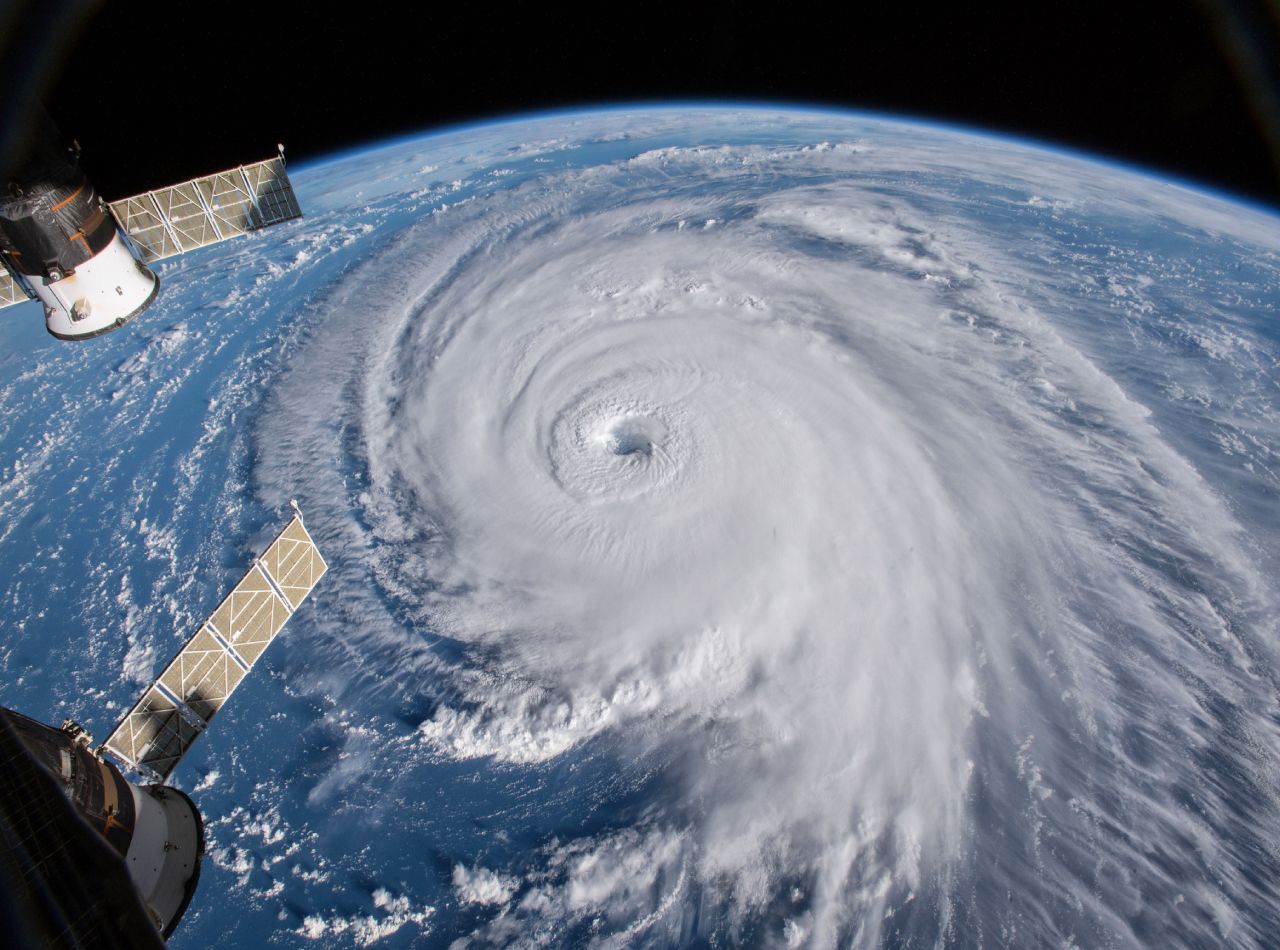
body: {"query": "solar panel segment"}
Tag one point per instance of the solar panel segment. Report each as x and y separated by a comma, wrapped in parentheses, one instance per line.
(173, 712)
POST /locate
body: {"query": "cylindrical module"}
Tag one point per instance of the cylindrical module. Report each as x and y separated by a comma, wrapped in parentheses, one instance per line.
(102, 294)
(165, 852)
(63, 243)
(156, 829)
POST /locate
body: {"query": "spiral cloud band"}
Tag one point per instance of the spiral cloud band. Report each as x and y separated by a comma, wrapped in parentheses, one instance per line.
(789, 531)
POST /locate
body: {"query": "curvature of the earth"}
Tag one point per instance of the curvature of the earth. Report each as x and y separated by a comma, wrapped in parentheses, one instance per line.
(746, 527)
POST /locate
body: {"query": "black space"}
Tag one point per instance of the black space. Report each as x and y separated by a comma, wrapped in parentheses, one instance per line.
(160, 92)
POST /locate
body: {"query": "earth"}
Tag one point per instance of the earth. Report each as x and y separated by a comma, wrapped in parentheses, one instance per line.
(746, 527)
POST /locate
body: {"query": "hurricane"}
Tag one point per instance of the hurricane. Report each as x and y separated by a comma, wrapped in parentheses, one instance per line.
(844, 538)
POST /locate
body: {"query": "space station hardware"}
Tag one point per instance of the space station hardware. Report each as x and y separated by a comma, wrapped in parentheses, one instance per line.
(207, 210)
(155, 830)
(110, 862)
(86, 260)
(61, 246)
(173, 712)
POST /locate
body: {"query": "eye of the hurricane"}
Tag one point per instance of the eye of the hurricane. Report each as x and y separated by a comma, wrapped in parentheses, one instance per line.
(603, 449)
(630, 437)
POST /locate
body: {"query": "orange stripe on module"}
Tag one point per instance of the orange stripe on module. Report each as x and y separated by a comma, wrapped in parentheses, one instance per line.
(67, 199)
(78, 236)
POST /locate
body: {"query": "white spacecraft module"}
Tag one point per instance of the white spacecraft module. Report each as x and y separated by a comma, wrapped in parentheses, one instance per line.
(86, 260)
(173, 712)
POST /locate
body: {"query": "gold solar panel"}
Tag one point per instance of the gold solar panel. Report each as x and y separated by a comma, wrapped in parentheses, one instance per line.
(153, 735)
(178, 706)
(294, 563)
(251, 616)
(11, 291)
(141, 219)
(202, 675)
(207, 210)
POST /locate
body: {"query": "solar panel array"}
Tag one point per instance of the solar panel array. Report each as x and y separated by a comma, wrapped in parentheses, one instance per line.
(207, 210)
(173, 712)
(11, 291)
